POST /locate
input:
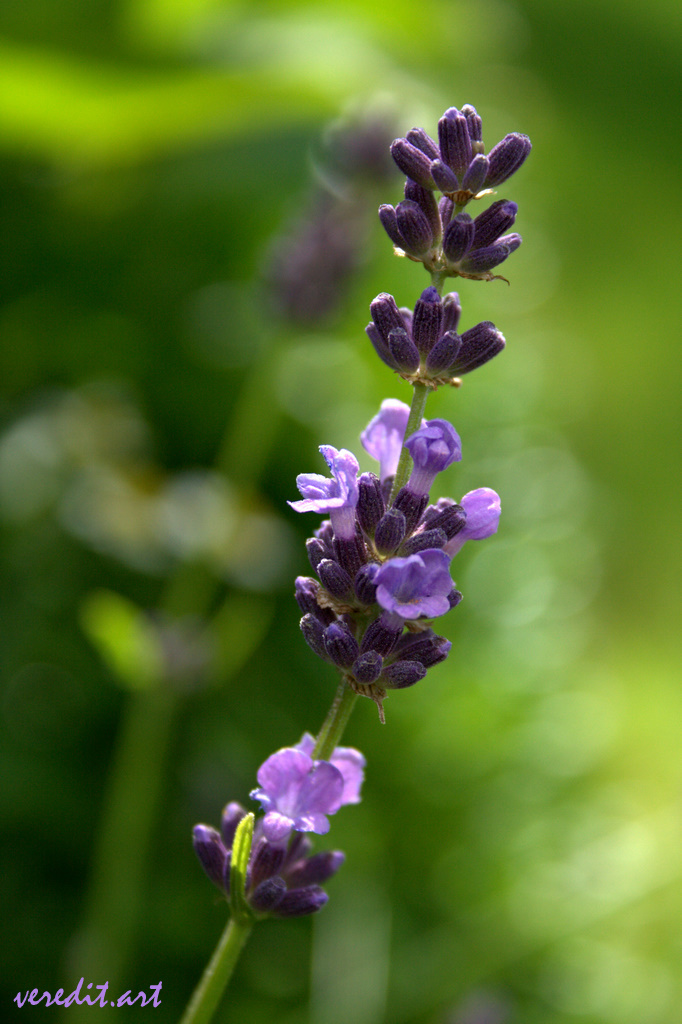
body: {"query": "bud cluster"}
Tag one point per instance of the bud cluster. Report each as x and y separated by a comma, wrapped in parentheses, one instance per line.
(382, 566)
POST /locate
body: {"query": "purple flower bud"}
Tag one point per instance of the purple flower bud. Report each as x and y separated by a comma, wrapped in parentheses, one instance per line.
(451, 311)
(336, 580)
(444, 177)
(423, 540)
(493, 222)
(412, 162)
(371, 506)
(449, 518)
(316, 550)
(474, 123)
(266, 860)
(316, 869)
(306, 594)
(477, 172)
(383, 436)
(426, 201)
(350, 553)
(402, 674)
(381, 636)
(482, 508)
(365, 587)
(459, 237)
(455, 143)
(367, 667)
(299, 902)
(418, 137)
(426, 647)
(211, 852)
(479, 344)
(313, 634)
(415, 228)
(506, 157)
(482, 261)
(454, 597)
(341, 645)
(411, 505)
(268, 895)
(390, 532)
(337, 496)
(443, 355)
(389, 222)
(433, 448)
(416, 585)
(403, 350)
(427, 319)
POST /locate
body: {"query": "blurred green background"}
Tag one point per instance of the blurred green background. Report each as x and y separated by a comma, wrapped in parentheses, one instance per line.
(516, 857)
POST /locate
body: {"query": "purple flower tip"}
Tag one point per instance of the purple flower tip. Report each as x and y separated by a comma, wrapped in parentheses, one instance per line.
(383, 436)
(482, 508)
(337, 496)
(416, 585)
(433, 448)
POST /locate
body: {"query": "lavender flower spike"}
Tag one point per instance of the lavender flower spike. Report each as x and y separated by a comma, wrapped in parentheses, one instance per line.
(433, 448)
(482, 508)
(298, 793)
(383, 436)
(416, 585)
(336, 497)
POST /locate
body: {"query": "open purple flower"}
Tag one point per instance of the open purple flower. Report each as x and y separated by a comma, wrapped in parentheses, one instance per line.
(337, 496)
(434, 447)
(383, 436)
(416, 585)
(298, 793)
(482, 508)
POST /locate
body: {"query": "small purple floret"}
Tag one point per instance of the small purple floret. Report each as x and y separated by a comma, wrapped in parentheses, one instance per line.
(482, 508)
(337, 496)
(416, 585)
(383, 436)
(433, 448)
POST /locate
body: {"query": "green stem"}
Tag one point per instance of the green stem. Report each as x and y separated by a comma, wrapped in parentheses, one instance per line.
(218, 972)
(337, 718)
(421, 392)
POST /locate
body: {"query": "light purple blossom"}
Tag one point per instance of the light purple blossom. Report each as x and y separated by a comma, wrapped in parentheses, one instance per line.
(482, 508)
(383, 436)
(416, 585)
(337, 496)
(434, 447)
(298, 793)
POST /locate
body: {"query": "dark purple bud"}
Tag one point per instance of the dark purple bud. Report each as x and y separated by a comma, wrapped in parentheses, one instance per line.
(402, 673)
(316, 869)
(412, 162)
(446, 208)
(211, 852)
(367, 667)
(370, 507)
(444, 177)
(268, 895)
(313, 634)
(306, 594)
(481, 261)
(479, 344)
(451, 311)
(426, 320)
(381, 638)
(341, 645)
(426, 648)
(455, 143)
(411, 505)
(298, 902)
(365, 587)
(443, 353)
(426, 201)
(474, 124)
(454, 597)
(335, 579)
(380, 346)
(493, 222)
(266, 861)
(415, 228)
(387, 216)
(506, 157)
(386, 315)
(423, 540)
(231, 816)
(459, 237)
(316, 551)
(350, 553)
(390, 532)
(477, 172)
(404, 351)
(450, 520)
(424, 142)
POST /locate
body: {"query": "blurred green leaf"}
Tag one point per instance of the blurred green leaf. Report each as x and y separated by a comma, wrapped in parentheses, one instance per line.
(124, 639)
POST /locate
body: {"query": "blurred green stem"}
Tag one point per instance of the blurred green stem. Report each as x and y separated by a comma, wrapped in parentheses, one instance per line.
(215, 978)
(337, 718)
